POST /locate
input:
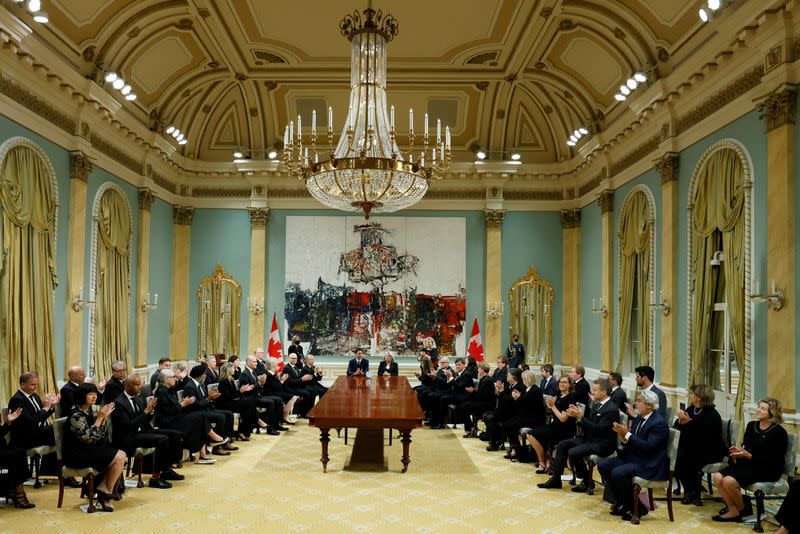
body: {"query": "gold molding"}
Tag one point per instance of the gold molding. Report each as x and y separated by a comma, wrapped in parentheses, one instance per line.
(220, 192)
(668, 167)
(79, 166)
(35, 104)
(258, 217)
(111, 150)
(182, 215)
(636, 155)
(606, 200)
(779, 109)
(146, 199)
(594, 182)
(494, 218)
(570, 218)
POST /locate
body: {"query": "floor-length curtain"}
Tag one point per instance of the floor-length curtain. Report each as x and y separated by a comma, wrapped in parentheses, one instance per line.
(634, 275)
(27, 271)
(718, 208)
(113, 282)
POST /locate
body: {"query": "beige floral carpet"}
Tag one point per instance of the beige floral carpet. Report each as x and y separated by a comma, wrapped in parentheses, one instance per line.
(276, 484)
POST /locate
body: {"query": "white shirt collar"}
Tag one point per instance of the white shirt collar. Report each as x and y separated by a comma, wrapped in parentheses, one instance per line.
(195, 382)
(602, 402)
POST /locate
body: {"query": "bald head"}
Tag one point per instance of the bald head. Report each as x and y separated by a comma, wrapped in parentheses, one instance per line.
(76, 374)
(132, 384)
(251, 362)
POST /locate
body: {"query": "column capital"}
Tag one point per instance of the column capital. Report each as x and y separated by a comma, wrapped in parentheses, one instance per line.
(606, 200)
(182, 215)
(146, 199)
(494, 218)
(79, 166)
(570, 218)
(668, 167)
(779, 108)
(258, 217)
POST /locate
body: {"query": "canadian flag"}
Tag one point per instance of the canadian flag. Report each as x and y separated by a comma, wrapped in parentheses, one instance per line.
(274, 349)
(475, 348)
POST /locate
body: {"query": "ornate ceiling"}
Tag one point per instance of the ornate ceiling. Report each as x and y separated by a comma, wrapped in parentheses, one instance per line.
(502, 73)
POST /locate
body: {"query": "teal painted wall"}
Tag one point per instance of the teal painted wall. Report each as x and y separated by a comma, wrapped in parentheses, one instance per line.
(60, 160)
(533, 239)
(97, 178)
(475, 269)
(219, 236)
(160, 280)
(591, 280)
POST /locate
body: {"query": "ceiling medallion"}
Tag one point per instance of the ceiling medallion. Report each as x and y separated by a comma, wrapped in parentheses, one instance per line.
(367, 171)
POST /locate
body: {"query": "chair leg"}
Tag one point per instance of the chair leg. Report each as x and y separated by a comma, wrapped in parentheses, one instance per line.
(60, 486)
(669, 498)
(345, 436)
(92, 507)
(759, 510)
(36, 460)
(650, 497)
(677, 488)
(710, 487)
(590, 478)
(140, 464)
(128, 467)
(635, 516)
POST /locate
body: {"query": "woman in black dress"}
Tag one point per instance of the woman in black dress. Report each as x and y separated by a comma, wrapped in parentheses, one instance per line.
(429, 348)
(237, 366)
(700, 443)
(388, 366)
(231, 398)
(561, 427)
(16, 463)
(86, 443)
(506, 409)
(759, 459)
(273, 386)
(529, 413)
(297, 348)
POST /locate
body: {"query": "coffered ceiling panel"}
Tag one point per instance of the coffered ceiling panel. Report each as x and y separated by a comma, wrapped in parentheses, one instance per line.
(161, 61)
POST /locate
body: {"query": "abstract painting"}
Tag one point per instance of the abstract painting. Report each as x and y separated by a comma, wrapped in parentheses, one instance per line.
(382, 285)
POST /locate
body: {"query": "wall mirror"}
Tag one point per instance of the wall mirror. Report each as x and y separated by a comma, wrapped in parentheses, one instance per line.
(531, 302)
(219, 297)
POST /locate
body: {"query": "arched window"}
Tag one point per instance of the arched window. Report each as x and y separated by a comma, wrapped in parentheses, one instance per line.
(110, 280)
(29, 206)
(719, 273)
(636, 267)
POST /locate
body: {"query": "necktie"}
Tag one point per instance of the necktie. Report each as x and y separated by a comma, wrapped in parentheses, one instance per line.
(135, 406)
(639, 426)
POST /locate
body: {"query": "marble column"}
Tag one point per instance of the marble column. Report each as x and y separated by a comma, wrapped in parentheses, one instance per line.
(259, 217)
(779, 113)
(571, 302)
(146, 199)
(181, 292)
(668, 167)
(606, 203)
(494, 294)
(80, 167)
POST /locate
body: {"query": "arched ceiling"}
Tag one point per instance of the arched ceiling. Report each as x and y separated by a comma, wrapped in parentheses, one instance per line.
(502, 73)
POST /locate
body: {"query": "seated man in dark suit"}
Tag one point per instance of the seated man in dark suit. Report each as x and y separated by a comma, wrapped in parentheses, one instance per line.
(131, 420)
(76, 376)
(598, 436)
(114, 386)
(480, 399)
(618, 394)
(313, 385)
(298, 384)
(549, 383)
(273, 405)
(212, 373)
(31, 428)
(163, 363)
(455, 392)
(643, 455)
(358, 365)
(388, 367)
(582, 387)
(221, 420)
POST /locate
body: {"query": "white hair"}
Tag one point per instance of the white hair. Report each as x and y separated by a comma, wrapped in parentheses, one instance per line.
(650, 398)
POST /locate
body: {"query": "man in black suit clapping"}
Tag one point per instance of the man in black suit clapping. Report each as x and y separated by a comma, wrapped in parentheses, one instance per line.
(221, 420)
(359, 365)
(31, 428)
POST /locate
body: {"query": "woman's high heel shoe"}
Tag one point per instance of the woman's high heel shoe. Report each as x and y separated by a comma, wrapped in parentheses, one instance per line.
(20, 500)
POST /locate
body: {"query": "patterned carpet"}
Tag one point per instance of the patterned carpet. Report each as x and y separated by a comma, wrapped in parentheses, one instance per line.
(276, 484)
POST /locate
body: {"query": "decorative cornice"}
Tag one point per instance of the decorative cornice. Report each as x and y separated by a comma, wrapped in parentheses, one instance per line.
(779, 109)
(111, 150)
(79, 166)
(220, 192)
(28, 100)
(637, 154)
(163, 182)
(294, 193)
(258, 217)
(570, 218)
(146, 199)
(494, 218)
(606, 200)
(668, 167)
(182, 215)
(594, 182)
(533, 195)
(448, 195)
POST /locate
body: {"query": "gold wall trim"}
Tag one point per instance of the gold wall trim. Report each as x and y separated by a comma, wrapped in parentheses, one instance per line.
(111, 150)
(779, 109)
(637, 154)
(79, 166)
(146, 199)
(182, 215)
(32, 102)
(258, 217)
(220, 192)
(570, 218)
(533, 195)
(668, 167)
(606, 200)
(494, 218)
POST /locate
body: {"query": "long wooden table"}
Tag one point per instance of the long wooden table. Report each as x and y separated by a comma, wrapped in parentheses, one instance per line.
(370, 405)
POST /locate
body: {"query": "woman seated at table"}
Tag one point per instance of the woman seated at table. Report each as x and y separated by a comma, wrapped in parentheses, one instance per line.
(194, 425)
(700, 442)
(231, 398)
(15, 462)
(759, 459)
(561, 427)
(86, 443)
(388, 367)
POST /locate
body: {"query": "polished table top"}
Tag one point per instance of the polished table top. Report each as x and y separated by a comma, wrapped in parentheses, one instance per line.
(360, 402)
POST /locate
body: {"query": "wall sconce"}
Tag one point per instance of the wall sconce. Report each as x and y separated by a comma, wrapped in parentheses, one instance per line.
(600, 310)
(662, 304)
(78, 303)
(254, 307)
(717, 259)
(147, 305)
(774, 297)
(492, 310)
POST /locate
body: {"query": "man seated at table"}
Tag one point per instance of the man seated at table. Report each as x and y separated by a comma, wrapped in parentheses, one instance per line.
(643, 454)
(359, 365)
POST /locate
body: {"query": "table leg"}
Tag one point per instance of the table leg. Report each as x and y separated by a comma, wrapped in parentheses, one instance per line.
(406, 434)
(324, 438)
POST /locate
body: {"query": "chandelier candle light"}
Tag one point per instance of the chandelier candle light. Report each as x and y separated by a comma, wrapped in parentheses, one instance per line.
(367, 171)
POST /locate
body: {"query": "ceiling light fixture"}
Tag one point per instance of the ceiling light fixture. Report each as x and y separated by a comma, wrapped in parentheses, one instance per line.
(632, 84)
(366, 171)
(111, 76)
(583, 131)
(713, 5)
(571, 143)
(577, 134)
(131, 96)
(624, 90)
(640, 77)
(34, 5)
(170, 129)
(183, 141)
(118, 84)
(41, 17)
(619, 97)
(125, 90)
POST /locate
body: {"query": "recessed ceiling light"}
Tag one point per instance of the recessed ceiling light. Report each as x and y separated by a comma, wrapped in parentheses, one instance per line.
(619, 97)
(632, 84)
(571, 143)
(573, 138)
(703, 15)
(118, 83)
(183, 141)
(111, 76)
(713, 5)
(125, 90)
(34, 5)
(516, 156)
(624, 90)
(41, 17)
(640, 77)
(170, 129)
(583, 131)
(131, 96)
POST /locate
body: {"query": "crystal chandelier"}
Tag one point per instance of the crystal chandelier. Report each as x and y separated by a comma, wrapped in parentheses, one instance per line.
(367, 171)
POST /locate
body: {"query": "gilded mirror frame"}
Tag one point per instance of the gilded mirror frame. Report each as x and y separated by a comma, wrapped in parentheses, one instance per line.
(532, 279)
(231, 330)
